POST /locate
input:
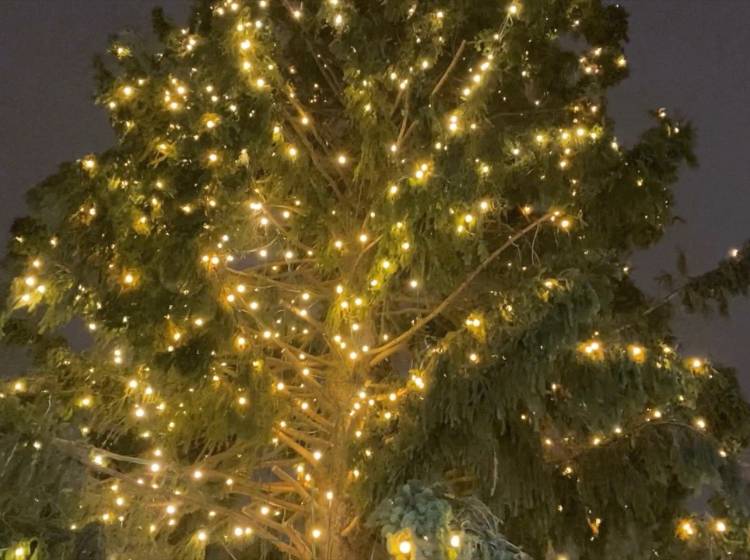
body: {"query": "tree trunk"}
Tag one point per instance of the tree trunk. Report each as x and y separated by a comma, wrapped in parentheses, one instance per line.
(347, 538)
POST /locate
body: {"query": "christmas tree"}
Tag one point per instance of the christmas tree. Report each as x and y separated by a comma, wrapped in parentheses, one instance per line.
(354, 284)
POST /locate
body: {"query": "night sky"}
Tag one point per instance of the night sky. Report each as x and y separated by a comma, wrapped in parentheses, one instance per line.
(690, 56)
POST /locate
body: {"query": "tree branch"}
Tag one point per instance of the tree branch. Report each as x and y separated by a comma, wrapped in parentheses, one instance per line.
(381, 353)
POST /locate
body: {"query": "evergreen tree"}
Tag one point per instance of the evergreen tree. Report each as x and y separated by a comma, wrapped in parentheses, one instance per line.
(354, 284)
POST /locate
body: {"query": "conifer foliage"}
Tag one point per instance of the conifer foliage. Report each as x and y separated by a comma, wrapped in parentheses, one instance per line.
(354, 284)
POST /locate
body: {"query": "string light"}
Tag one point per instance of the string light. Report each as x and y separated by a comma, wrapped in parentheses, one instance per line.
(686, 529)
(380, 256)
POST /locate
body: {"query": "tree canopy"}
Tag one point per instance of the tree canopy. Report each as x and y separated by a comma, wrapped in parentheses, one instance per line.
(353, 283)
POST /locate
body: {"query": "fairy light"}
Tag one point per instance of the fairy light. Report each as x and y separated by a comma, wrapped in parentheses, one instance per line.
(696, 365)
(592, 349)
(386, 258)
(636, 353)
(89, 163)
(686, 529)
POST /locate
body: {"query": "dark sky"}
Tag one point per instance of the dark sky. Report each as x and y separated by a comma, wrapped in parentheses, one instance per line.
(690, 56)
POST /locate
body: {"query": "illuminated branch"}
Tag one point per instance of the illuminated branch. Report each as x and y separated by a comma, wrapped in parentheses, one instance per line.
(308, 438)
(283, 475)
(448, 70)
(313, 157)
(259, 522)
(382, 352)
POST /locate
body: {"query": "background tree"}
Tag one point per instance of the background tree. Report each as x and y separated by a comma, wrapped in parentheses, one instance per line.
(355, 284)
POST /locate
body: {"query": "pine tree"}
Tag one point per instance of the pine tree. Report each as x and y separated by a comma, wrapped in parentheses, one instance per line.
(353, 284)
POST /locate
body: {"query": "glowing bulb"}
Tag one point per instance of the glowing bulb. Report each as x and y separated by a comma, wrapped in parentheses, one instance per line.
(453, 123)
(686, 529)
(455, 541)
(637, 353)
(404, 547)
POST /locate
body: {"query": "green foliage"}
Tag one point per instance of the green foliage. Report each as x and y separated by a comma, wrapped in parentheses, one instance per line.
(372, 243)
(442, 527)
